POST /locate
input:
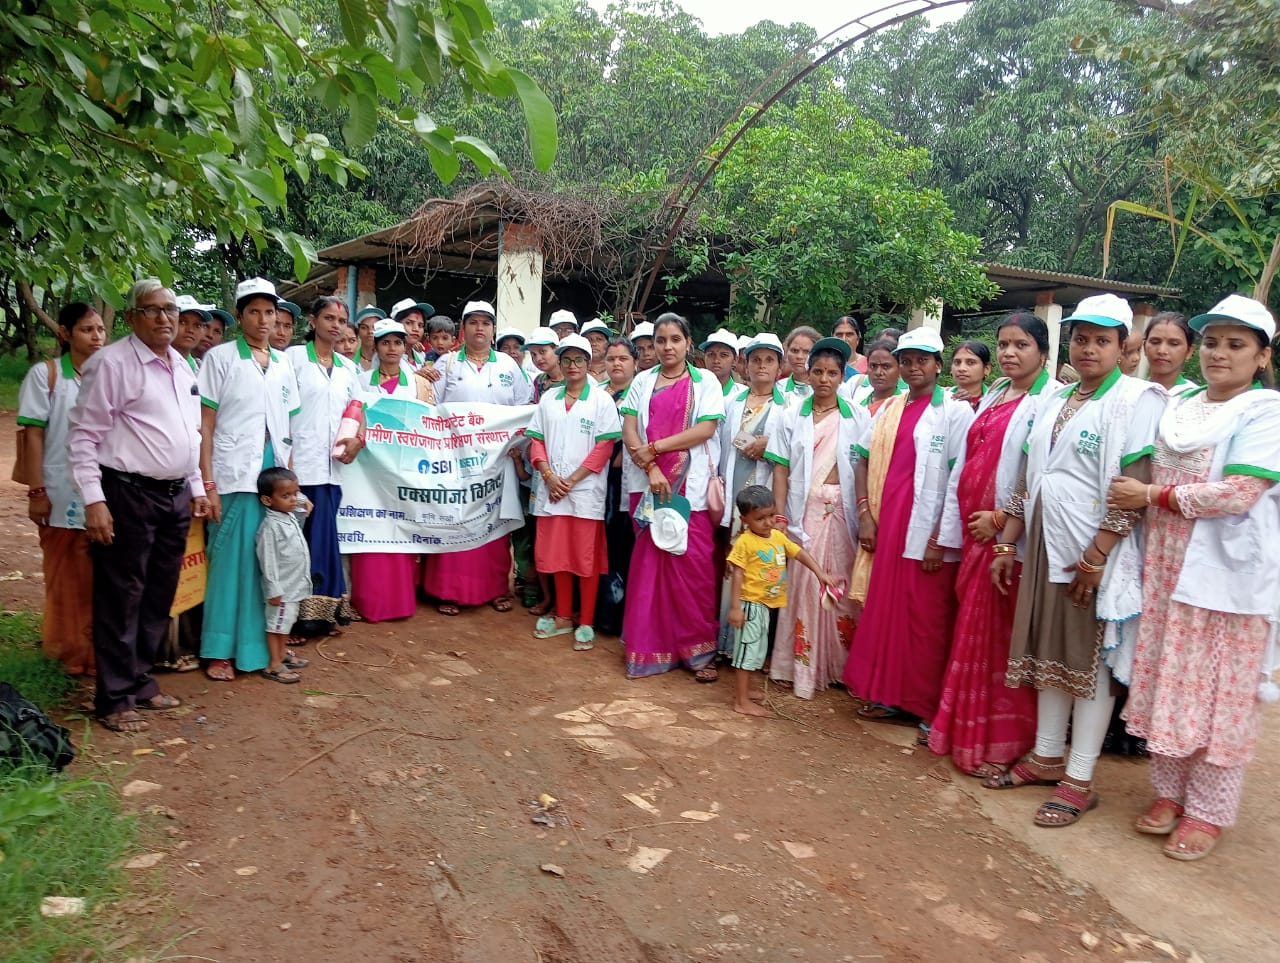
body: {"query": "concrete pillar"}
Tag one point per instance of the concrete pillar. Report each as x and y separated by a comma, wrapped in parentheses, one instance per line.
(1142, 315)
(1051, 314)
(928, 316)
(519, 277)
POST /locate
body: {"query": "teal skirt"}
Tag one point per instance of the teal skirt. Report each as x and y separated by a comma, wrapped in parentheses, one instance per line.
(235, 625)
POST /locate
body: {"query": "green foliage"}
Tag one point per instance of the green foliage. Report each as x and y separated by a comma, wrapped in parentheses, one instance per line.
(825, 216)
(24, 666)
(58, 838)
(122, 119)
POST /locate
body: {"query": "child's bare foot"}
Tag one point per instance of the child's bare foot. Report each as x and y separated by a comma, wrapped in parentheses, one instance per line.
(750, 709)
(758, 697)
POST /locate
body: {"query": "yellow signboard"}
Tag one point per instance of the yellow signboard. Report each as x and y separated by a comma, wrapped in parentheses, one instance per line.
(195, 571)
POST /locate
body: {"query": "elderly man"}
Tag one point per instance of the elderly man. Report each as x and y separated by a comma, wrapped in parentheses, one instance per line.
(134, 447)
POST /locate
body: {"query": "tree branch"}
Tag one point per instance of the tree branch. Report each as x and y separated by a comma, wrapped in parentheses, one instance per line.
(29, 298)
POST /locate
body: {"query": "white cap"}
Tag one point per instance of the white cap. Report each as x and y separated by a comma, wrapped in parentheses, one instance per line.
(721, 336)
(766, 339)
(669, 528)
(256, 287)
(1107, 310)
(405, 305)
(595, 324)
(642, 330)
(479, 307)
(187, 303)
(1235, 309)
(539, 336)
(562, 317)
(509, 333)
(385, 326)
(920, 339)
(574, 341)
(744, 340)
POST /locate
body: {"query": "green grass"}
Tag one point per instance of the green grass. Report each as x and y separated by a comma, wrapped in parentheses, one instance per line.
(59, 836)
(25, 667)
(14, 367)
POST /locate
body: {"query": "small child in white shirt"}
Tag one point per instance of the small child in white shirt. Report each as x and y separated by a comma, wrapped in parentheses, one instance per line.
(285, 563)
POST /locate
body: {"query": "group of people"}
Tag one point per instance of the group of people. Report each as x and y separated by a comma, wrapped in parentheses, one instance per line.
(991, 562)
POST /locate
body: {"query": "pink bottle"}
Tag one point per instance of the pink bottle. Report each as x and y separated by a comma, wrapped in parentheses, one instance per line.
(348, 426)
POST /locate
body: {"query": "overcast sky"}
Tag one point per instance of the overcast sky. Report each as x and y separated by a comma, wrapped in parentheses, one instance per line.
(734, 16)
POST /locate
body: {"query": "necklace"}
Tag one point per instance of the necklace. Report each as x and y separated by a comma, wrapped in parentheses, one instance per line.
(1084, 395)
(823, 411)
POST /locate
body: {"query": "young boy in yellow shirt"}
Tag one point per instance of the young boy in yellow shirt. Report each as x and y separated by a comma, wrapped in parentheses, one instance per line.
(758, 566)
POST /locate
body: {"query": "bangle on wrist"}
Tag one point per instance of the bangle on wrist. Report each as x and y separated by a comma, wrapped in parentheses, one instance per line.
(999, 519)
(864, 510)
(37, 492)
(1149, 501)
(1004, 548)
(210, 486)
(1084, 565)
(653, 449)
(1094, 545)
(864, 500)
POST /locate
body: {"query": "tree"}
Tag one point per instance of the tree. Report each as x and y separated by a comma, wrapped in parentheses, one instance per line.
(123, 122)
(822, 213)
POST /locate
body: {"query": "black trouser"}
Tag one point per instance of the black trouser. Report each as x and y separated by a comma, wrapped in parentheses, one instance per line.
(134, 581)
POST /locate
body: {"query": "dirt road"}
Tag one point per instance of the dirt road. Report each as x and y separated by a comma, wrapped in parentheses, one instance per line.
(387, 809)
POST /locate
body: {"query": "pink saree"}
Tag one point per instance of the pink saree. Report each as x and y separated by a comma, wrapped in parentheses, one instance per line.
(979, 719)
(899, 653)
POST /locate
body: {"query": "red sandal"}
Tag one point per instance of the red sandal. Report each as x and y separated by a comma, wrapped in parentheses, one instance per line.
(1160, 819)
(1177, 847)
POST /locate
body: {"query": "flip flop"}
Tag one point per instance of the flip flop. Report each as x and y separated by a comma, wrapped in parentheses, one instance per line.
(830, 597)
(879, 712)
(292, 661)
(546, 628)
(707, 676)
(584, 638)
(158, 702)
(286, 676)
(127, 722)
(448, 608)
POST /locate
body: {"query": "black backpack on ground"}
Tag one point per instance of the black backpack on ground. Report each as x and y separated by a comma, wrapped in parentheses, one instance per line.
(26, 733)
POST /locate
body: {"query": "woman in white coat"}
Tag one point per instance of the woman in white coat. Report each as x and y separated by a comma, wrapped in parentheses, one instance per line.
(249, 395)
(572, 434)
(669, 421)
(327, 384)
(1081, 571)
(1210, 583)
(899, 655)
(813, 487)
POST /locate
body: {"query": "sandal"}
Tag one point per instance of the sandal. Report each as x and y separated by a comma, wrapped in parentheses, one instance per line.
(220, 670)
(1178, 847)
(293, 661)
(879, 712)
(127, 722)
(448, 608)
(584, 638)
(541, 608)
(186, 663)
(547, 628)
(503, 603)
(922, 736)
(1066, 807)
(989, 770)
(707, 675)
(1021, 774)
(159, 701)
(285, 675)
(1161, 819)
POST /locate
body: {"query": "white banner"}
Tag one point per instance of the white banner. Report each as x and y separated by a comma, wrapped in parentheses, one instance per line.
(433, 478)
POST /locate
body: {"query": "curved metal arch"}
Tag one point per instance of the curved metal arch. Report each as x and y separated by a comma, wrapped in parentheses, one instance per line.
(680, 199)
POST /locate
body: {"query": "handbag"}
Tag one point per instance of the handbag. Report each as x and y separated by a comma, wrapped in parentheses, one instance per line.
(26, 733)
(715, 490)
(21, 471)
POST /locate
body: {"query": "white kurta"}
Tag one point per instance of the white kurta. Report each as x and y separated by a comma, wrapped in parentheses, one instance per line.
(761, 472)
(791, 445)
(1070, 479)
(708, 405)
(569, 435)
(254, 407)
(40, 408)
(499, 380)
(324, 394)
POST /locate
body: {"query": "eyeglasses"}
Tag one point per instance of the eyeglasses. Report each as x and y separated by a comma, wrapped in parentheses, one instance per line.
(577, 361)
(153, 312)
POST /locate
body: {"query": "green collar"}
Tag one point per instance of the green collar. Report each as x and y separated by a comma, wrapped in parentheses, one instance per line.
(792, 384)
(247, 352)
(1101, 390)
(583, 396)
(938, 396)
(311, 355)
(375, 377)
(1181, 381)
(846, 409)
(68, 370)
(728, 386)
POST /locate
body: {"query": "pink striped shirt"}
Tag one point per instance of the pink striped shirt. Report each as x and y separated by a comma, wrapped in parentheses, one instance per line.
(135, 413)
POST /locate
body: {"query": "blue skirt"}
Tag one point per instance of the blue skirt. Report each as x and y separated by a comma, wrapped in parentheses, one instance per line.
(321, 530)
